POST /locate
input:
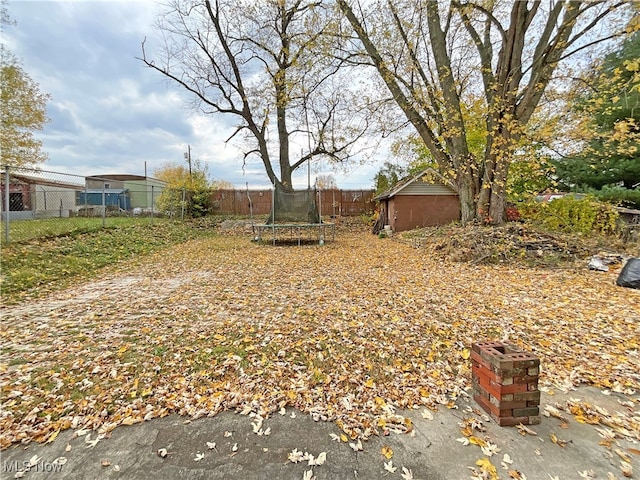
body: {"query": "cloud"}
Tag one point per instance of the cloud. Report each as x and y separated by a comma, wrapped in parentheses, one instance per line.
(109, 113)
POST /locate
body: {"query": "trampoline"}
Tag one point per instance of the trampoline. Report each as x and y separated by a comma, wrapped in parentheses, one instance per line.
(295, 218)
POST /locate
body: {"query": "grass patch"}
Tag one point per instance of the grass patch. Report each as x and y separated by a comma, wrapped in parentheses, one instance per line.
(17, 361)
(33, 267)
(23, 230)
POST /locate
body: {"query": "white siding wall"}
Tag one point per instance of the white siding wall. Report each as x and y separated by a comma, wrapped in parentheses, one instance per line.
(48, 201)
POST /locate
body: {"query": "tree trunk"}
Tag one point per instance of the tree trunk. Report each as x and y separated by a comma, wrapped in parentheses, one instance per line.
(467, 204)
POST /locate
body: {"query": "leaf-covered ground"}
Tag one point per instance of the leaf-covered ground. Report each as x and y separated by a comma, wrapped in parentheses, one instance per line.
(347, 332)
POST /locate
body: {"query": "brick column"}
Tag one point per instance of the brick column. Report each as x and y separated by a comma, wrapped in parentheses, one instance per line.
(505, 383)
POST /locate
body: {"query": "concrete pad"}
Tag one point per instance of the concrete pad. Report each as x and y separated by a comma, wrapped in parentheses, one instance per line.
(430, 451)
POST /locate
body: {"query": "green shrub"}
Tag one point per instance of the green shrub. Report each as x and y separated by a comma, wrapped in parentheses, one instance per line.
(619, 196)
(573, 215)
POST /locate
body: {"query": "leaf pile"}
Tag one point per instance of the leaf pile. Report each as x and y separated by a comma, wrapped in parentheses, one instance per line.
(348, 332)
(511, 243)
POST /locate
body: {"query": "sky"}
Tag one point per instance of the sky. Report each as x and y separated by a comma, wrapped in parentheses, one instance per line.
(109, 114)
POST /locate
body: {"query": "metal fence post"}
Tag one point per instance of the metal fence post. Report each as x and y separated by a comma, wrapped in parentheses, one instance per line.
(6, 203)
(183, 203)
(104, 205)
(152, 203)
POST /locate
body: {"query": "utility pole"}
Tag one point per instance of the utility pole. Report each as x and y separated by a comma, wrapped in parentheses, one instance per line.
(187, 157)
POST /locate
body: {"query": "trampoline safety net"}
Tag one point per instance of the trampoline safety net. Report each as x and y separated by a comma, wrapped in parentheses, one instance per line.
(298, 206)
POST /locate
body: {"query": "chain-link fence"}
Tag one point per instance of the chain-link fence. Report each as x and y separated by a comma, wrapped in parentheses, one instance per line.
(37, 203)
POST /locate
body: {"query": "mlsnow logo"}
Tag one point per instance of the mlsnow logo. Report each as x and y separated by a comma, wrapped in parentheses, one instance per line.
(29, 466)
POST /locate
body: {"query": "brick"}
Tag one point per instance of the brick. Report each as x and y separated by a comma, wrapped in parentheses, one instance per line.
(494, 410)
(525, 379)
(514, 373)
(535, 420)
(505, 388)
(502, 405)
(527, 396)
(478, 346)
(512, 421)
(487, 372)
(476, 358)
(482, 401)
(526, 412)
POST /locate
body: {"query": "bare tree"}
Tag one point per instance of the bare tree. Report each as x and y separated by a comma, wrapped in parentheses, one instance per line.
(326, 182)
(264, 63)
(435, 57)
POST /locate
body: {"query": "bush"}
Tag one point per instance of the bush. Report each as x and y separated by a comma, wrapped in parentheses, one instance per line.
(573, 215)
(619, 196)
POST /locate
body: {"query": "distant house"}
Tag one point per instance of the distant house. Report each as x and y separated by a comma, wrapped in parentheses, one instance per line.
(31, 197)
(122, 191)
(423, 200)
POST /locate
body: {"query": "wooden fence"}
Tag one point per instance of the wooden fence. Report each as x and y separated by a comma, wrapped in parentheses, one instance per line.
(331, 202)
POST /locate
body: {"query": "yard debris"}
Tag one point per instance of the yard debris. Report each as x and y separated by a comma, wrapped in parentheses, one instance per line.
(512, 243)
(630, 274)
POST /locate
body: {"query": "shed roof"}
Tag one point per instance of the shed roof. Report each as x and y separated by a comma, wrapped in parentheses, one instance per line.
(123, 177)
(406, 181)
(32, 180)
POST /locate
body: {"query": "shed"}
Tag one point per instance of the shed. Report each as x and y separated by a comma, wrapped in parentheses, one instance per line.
(423, 200)
(38, 197)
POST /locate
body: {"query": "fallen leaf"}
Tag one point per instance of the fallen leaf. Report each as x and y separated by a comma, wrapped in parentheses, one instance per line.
(387, 452)
(627, 469)
(524, 430)
(406, 474)
(517, 475)
(557, 441)
(427, 414)
(91, 443)
(622, 454)
(388, 466)
(295, 456)
(487, 468)
(53, 436)
(490, 449)
(588, 474)
(199, 456)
